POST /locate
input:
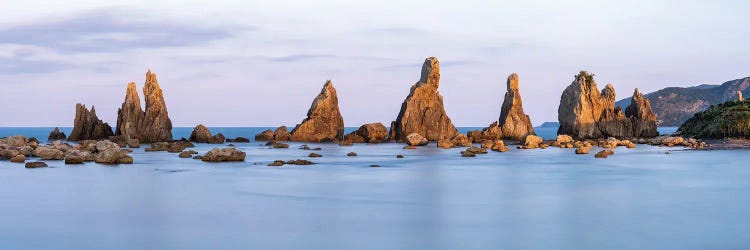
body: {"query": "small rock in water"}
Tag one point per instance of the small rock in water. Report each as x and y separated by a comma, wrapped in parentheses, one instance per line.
(604, 153)
(18, 159)
(582, 150)
(37, 164)
(304, 147)
(374, 166)
(280, 145)
(73, 159)
(315, 155)
(185, 154)
(399, 156)
(666, 153)
(351, 154)
(198, 157)
(277, 163)
(467, 154)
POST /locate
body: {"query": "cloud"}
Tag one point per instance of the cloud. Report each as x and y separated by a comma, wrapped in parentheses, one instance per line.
(110, 30)
(28, 66)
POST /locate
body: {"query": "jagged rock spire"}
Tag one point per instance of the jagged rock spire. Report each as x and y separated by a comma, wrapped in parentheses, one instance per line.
(151, 125)
(130, 114)
(324, 122)
(87, 126)
(422, 111)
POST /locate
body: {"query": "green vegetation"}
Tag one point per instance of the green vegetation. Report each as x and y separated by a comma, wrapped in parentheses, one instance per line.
(585, 75)
(726, 120)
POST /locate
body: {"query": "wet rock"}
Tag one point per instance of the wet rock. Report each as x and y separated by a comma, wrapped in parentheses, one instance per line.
(604, 153)
(56, 135)
(266, 135)
(467, 154)
(461, 140)
(585, 113)
(185, 154)
(200, 134)
(113, 156)
(198, 157)
(415, 139)
(18, 159)
(582, 150)
(217, 139)
(74, 155)
(223, 155)
(422, 111)
(314, 155)
(281, 134)
(87, 125)
(499, 146)
(239, 140)
(444, 143)
(133, 143)
(399, 156)
(476, 150)
(73, 159)
(374, 166)
(37, 164)
(351, 154)
(324, 122)
(532, 141)
(276, 163)
(279, 145)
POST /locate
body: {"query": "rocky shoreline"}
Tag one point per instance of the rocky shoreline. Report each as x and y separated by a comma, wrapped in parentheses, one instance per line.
(587, 117)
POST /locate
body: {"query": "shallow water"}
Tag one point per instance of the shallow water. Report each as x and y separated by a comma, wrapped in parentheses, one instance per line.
(432, 199)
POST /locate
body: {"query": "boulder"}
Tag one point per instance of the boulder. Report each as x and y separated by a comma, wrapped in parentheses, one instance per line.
(239, 139)
(87, 126)
(461, 140)
(586, 113)
(444, 143)
(476, 150)
(266, 135)
(604, 153)
(74, 155)
(223, 155)
(185, 154)
(582, 150)
(18, 159)
(56, 135)
(532, 141)
(281, 134)
(422, 111)
(499, 146)
(217, 139)
(415, 139)
(113, 156)
(73, 159)
(354, 138)
(200, 134)
(314, 155)
(324, 122)
(351, 154)
(372, 133)
(49, 153)
(276, 163)
(564, 139)
(37, 164)
(468, 154)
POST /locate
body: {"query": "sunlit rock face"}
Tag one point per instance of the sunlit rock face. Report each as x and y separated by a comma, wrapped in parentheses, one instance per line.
(324, 122)
(151, 125)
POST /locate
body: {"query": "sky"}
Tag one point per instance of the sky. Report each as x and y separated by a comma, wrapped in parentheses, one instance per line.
(261, 63)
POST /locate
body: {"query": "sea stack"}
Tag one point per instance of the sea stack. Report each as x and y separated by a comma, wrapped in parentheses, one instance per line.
(129, 116)
(586, 113)
(324, 122)
(422, 112)
(513, 123)
(56, 135)
(87, 125)
(151, 125)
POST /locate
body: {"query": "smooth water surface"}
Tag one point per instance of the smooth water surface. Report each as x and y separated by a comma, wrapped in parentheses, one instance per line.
(432, 199)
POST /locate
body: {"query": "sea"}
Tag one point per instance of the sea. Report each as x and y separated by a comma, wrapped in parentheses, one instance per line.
(643, 198)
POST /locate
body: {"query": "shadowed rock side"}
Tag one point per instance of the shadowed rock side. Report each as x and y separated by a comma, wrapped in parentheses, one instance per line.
(200, 134)
(727, 120)
(513, 123)
(586, 113)
(87, 125)
(371, 133)
(56, 135)
(156, 125)
(151, 125)
(324, 122)
(129, 116)
(422, 111)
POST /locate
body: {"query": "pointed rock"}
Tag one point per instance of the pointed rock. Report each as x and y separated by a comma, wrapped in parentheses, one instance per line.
(129, 116)
(324, 122)
(644, 119)
(422, 111)
(87, 125)
(56, 135)
(155, 125)
(586, 113)
(513, 123)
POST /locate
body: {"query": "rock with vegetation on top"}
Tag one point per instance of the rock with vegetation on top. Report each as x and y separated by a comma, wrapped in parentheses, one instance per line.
(422, 111)
(727, 120)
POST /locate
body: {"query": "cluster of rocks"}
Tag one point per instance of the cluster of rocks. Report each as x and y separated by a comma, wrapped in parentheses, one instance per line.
(586, 113)
(368, 133)
(473, 151)
(280, 134)
(18, 148)
(324, 122)
(672, 141)
(201, 134)
(422, 111)
(513, 123)
(300, 162)
(171, 146)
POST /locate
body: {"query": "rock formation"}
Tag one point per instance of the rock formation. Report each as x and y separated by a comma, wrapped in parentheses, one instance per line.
(370, 133)
(87, 125)
(56, 135)
(422, 111)
(151, 125)
(324, 122)
(586, 113)
(513, 123)
(129, 116)
(200, 134)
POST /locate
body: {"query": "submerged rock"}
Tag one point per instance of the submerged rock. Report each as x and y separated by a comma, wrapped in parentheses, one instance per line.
(37, 164)
(87, 126)
(586, 113)
(422, 111)
(324, 122)
(56, 135)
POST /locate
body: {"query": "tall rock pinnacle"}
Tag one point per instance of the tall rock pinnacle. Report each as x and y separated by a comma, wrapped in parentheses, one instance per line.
(324, 122)
(422, 111)
(129, 116)
(586, 113)
(513, 123)
(151, 125)
(87, 125)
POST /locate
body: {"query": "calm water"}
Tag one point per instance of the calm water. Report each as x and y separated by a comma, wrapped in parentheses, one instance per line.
(432, 199)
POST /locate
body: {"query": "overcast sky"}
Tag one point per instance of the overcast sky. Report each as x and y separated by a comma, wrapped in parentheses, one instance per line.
(261, 63)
